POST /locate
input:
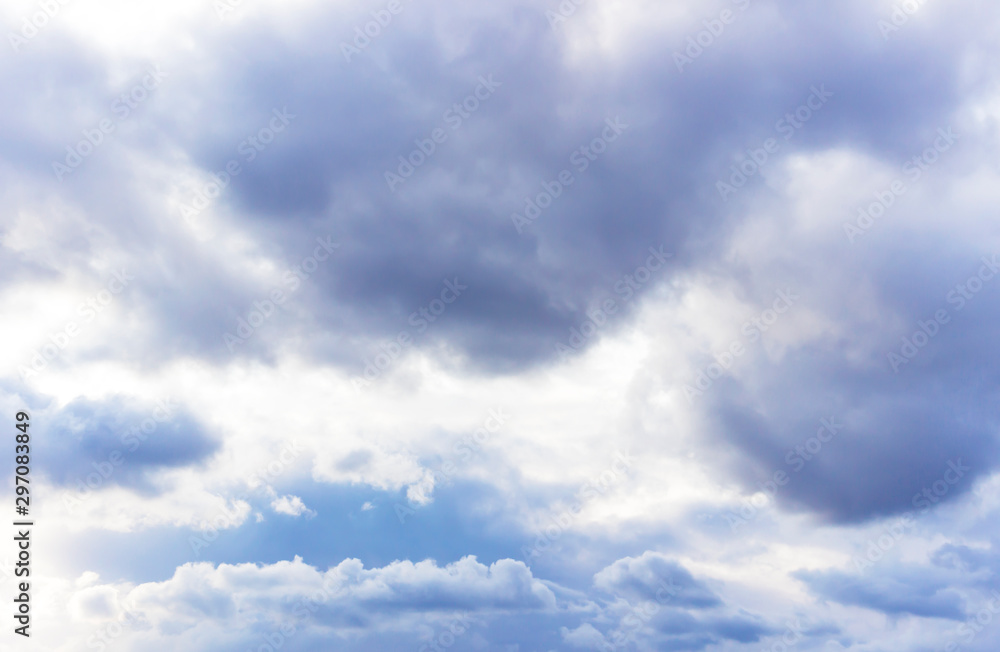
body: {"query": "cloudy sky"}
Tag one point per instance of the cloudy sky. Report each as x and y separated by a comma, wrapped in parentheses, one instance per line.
(509, 326)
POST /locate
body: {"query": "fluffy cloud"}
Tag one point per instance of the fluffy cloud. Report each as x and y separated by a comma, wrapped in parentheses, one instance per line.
(766, 276)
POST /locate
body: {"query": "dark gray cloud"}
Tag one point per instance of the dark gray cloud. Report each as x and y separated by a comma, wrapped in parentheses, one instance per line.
(892, 445)
(655, 577)
(909, 594)
(118, 441)
(671, 608)
(901, 428)
(324, 173)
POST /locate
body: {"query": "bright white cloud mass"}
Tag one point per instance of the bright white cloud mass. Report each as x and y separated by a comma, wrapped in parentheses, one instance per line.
(503, 327)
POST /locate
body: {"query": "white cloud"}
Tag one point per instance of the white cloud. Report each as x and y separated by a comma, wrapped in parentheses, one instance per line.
(291, 505)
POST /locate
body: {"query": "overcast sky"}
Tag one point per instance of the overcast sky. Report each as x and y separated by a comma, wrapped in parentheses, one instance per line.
(508, 326)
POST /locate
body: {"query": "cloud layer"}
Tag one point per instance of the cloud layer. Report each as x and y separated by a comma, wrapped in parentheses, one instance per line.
(509, 327)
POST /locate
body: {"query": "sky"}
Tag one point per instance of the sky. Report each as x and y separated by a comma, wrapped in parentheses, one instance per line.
(503, 327)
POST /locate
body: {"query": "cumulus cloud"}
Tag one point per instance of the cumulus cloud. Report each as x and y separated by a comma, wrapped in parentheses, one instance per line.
(344, 602)
(292, 506)
(655, 577)
(659, 601)
(751, 242)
